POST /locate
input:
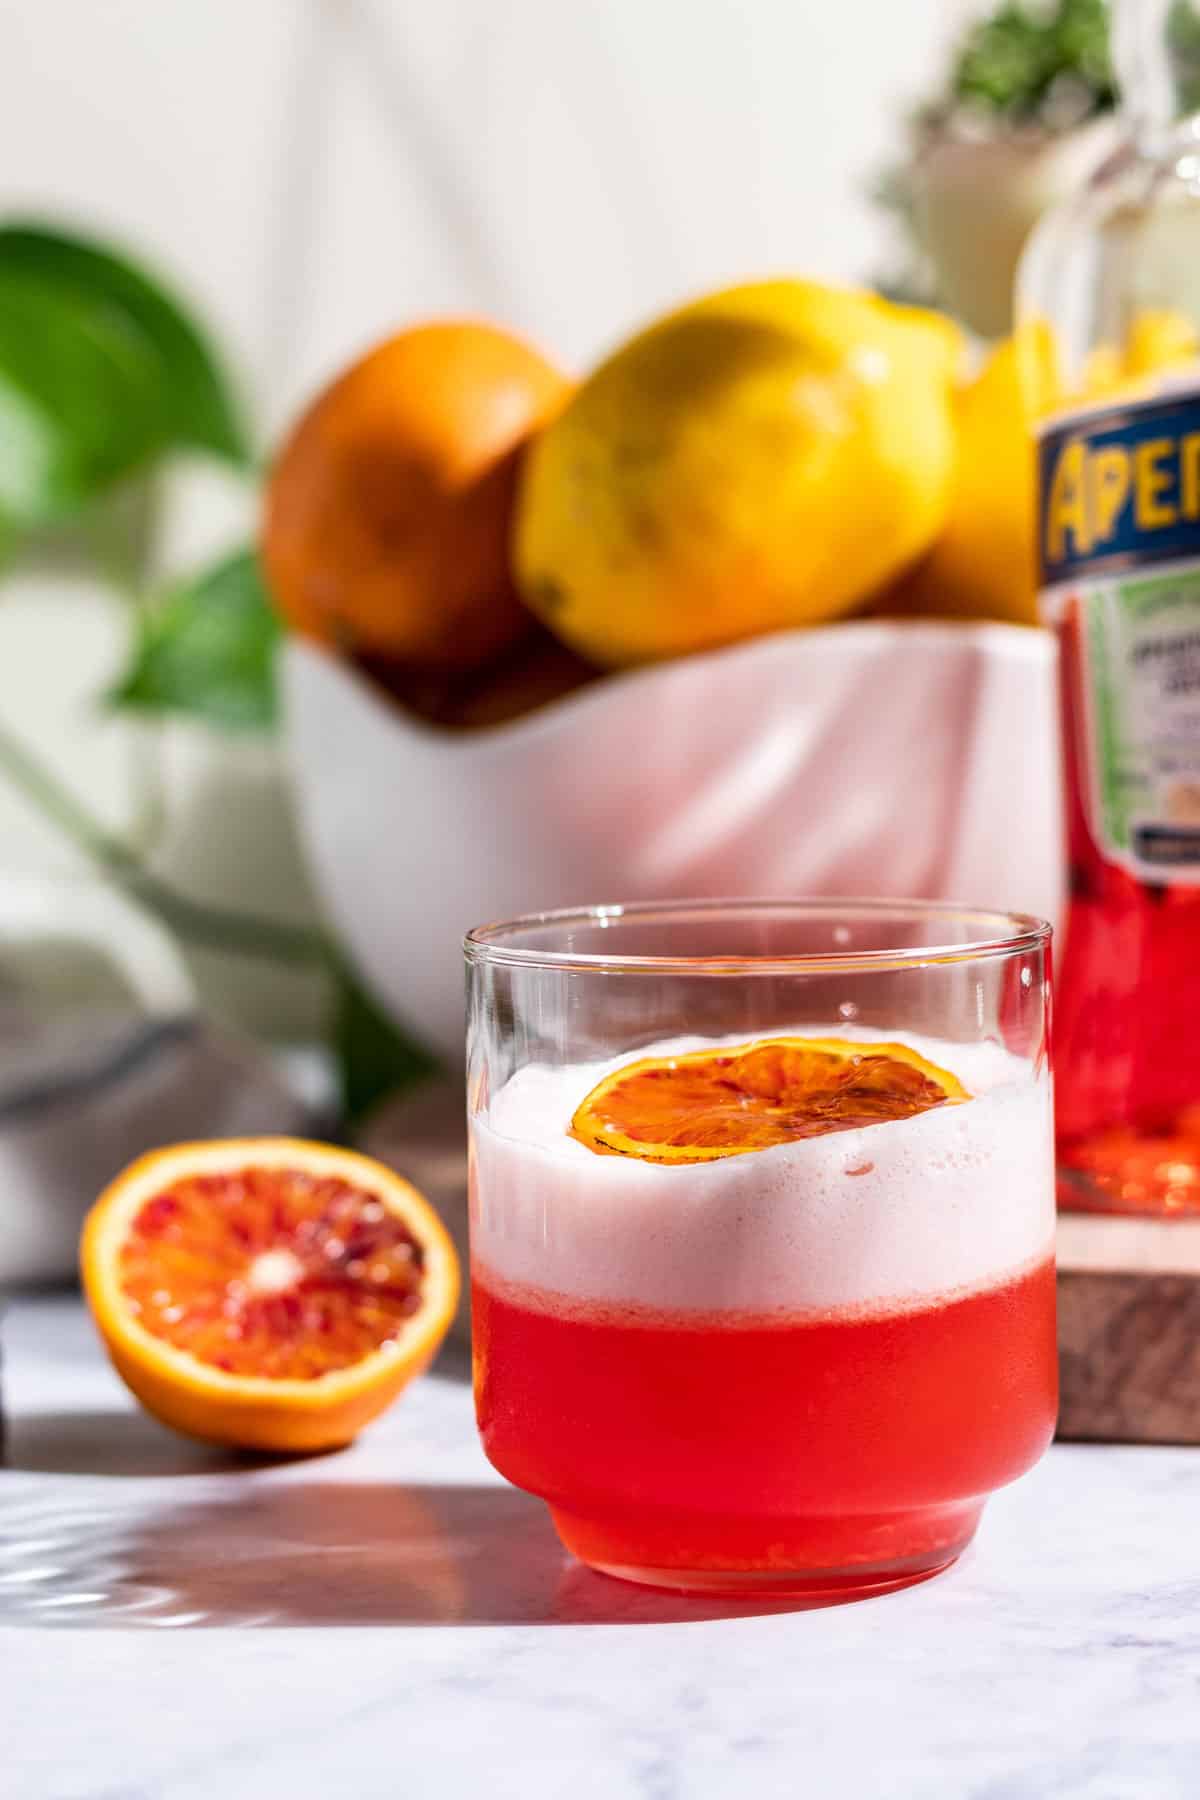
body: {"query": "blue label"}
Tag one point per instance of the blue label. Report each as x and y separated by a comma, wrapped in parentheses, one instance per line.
(1120, 489)
(1166, 847)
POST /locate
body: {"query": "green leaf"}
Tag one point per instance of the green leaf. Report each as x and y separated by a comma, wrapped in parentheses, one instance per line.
(195, 405)
(208, 650)
(374, 1058)
(1015, 60)
(78, 401)
(1183, 38)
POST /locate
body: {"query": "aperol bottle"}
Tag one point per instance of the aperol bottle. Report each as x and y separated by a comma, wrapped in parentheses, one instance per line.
(1109, 306)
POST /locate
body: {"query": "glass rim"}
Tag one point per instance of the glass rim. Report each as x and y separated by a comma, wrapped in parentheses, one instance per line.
(1001, 934)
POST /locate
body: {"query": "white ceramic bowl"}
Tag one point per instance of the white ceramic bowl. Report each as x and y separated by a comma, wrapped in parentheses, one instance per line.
(899, 759)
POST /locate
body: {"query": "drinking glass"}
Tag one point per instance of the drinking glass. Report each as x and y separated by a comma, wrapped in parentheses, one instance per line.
(800, 1368)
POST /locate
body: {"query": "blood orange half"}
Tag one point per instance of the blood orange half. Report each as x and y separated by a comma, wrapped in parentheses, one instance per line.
(267, 1292)
(726, 1102)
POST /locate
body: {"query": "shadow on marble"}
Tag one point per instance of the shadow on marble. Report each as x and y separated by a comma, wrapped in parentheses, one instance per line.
(118, 1444)
(131, 1444)
(321, 1553)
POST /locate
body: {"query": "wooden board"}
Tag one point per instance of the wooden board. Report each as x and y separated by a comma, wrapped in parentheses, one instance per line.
(1129, 1329)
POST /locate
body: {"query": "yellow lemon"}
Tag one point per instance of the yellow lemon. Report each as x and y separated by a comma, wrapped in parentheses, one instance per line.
(767, 457)
(1157, 340)
(982, 564)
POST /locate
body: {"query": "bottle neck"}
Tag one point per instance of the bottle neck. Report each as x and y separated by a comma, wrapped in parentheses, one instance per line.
(1156, 56)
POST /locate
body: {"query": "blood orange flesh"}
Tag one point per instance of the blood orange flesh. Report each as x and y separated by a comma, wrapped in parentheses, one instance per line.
(272, 1272)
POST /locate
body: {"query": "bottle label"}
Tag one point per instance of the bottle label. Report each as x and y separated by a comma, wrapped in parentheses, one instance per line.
(1119, 539)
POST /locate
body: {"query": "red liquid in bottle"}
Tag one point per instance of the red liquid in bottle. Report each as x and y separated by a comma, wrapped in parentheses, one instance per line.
(1127, 1021)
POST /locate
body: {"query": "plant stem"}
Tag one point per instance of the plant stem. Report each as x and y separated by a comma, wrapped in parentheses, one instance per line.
(203, 926)
(127, 530)
(218, 928)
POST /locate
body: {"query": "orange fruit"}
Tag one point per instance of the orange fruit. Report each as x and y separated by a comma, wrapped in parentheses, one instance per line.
(267, 1292)
(713, 1103)
(387, 513)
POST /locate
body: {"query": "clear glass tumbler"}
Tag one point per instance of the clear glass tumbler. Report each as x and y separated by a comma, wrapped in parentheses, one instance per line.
(762, 1232)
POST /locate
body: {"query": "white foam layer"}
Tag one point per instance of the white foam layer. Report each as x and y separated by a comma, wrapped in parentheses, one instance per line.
(960, 1197)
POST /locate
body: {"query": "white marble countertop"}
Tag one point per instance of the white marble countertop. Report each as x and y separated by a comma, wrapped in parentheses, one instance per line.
(394, 1620)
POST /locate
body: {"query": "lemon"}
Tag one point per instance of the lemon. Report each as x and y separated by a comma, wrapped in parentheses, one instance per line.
(1157, 340)
(764, 458)
(982, 564)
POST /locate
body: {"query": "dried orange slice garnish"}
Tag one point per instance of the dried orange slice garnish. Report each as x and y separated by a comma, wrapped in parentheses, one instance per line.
(267, 1293)
(712, 1103)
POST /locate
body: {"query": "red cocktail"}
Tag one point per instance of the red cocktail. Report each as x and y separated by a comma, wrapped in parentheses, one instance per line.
(801, 1363)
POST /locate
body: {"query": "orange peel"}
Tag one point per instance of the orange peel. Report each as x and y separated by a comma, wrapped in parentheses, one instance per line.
(727, 1101)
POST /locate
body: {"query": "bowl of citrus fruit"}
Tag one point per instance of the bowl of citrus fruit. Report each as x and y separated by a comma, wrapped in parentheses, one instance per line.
(746, 609)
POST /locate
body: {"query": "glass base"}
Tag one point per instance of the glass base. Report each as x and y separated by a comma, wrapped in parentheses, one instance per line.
(821, 1560)
(825, 1588)
(1124, 1171)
